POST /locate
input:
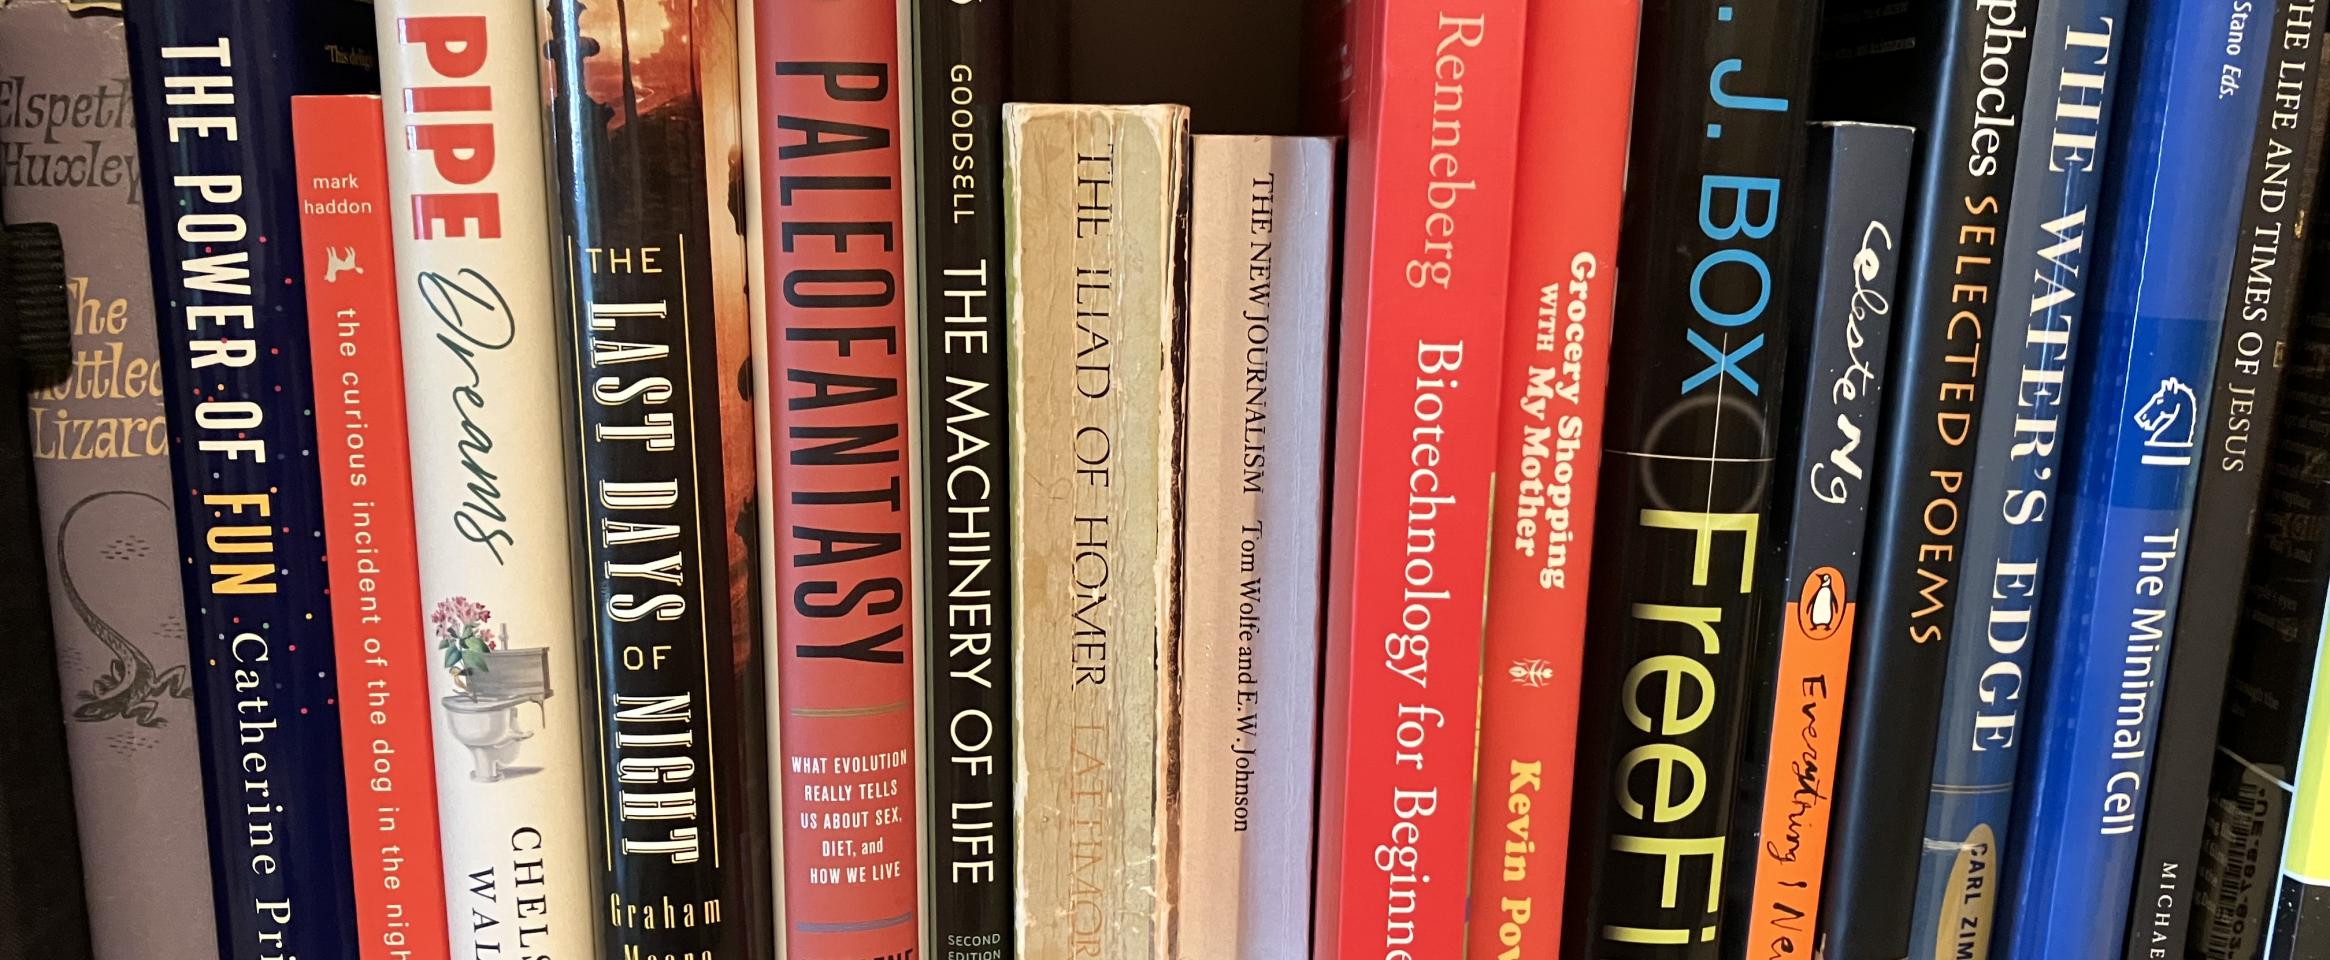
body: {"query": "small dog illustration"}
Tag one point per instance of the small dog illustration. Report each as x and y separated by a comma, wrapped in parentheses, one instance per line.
(338, 260)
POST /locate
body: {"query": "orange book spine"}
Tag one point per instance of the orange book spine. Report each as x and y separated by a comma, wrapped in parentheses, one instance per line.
(1576, 95)
(346, 244)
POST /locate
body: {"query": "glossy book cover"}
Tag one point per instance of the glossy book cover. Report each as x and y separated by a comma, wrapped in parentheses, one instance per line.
(2050, 245)
(1697, 372)
(669, 756)
(833, 314)
(214, 83)
(488, 442)
(963, 76)
(2171, 205)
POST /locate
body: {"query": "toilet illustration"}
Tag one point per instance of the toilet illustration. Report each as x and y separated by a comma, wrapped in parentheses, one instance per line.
(487, 718)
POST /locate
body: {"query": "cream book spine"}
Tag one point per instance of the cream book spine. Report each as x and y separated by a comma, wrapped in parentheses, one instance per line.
(1096, 208)
(1261, 264)
(482, 386)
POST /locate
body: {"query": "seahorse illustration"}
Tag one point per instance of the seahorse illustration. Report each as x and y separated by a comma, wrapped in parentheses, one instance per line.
(131, 687)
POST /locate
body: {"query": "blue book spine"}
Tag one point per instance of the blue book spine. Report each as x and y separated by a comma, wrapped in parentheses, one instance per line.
(2067, 113)
(2172, 208)
(212, 82)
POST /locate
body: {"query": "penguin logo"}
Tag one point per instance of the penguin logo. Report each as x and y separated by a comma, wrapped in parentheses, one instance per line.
(1821, 610)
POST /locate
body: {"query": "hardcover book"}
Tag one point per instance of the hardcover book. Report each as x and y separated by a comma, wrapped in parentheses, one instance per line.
(962, 78)
(2276, 649)
(833, 334)
(213, 84)
(1577, 85)
(100, 463)
(482, 362)
(1096, 204)
(2284, 174)
(2011, 490)
(1428, 213)
(1779, 840)
(669, 771)
(1696, 377)
(2166, 260)
(1261, 238)
(345, 242)
(1956, 70)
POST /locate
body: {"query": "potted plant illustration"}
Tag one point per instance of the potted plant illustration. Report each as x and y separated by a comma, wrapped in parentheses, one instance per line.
(461, 627)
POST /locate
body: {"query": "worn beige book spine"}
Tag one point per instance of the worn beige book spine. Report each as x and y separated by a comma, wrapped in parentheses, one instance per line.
(1261, 264)
(1095, 211)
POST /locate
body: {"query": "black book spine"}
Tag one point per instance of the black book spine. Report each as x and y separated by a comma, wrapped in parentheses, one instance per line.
(964, 72)
(663, 694)
(1967, 62)
(2284, 172)
(1697, 370)
(2275, 647)
(1819, 517)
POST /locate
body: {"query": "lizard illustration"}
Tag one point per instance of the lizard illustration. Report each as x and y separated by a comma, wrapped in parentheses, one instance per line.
(131, 687)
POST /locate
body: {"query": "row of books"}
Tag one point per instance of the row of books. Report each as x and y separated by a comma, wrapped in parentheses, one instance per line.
(978, 530)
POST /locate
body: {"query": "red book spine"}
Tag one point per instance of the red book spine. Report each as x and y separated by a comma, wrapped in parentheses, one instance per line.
(1436, 100)
(834, 305)
(346, 237)
(1577, 94)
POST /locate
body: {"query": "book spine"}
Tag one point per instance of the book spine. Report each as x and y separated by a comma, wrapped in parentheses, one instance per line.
(1975, 79)
(2011, 488)
(644, 385)
(2287, 142)
(2260, 730)
(1696, 376)
(963, 73)
(2164, 272)
(100, 449)
(1261, 264)
(1577, 85)
(1428, 229)
(1779, 841)
(835, 312)
(340, 158)
(487, 441)
(213, 86)
(2300, 926)
(1095, 209)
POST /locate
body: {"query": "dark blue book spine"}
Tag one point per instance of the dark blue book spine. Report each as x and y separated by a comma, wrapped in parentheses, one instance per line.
(213, 83)
(2011, 494)
(1957, 70)
(2172, 206)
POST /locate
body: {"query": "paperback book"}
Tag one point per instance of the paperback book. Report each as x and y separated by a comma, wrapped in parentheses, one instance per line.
(2027, 398)
(1956, 70)
(2284, 175)
(1261, 239)
(2166, 261)
(345, 229)
(1779, 839)
(1421, 330)
(1577, 90)
(2276, 650)
(1097, 202)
